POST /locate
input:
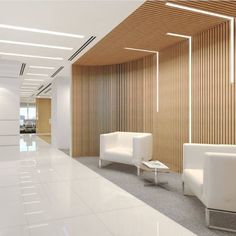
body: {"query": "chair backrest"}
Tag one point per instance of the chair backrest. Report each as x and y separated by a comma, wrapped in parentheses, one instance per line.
(194, 153)
(125, 139)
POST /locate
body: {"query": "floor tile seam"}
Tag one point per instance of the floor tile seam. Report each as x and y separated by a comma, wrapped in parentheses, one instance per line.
(52, 220)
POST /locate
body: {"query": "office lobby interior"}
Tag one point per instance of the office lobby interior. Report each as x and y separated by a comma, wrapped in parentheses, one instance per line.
(117, 118)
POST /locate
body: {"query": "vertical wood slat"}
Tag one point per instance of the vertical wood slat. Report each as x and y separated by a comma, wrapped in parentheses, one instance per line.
(216, 94)
(110, 98)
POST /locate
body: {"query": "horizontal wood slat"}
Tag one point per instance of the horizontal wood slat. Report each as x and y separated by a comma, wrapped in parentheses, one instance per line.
(146, 28)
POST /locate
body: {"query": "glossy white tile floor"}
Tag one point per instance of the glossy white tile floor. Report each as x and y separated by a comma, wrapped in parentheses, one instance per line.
(43, 192)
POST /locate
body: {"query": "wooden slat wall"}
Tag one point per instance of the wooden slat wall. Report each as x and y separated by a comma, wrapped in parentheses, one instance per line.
(94, 107)
(213, 95)
(172, 119)
(123, 97)
(111, 98)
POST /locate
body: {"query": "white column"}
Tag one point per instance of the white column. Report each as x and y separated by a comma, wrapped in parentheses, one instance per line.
(9, 111)
(60, 121)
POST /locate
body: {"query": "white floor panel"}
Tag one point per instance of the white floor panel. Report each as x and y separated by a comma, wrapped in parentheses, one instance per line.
(43, 192)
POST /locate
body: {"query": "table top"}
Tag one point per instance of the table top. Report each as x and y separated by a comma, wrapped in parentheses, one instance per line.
(146, 168)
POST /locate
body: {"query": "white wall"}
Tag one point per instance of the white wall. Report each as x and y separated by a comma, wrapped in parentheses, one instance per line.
(60, 121)
(9, 111)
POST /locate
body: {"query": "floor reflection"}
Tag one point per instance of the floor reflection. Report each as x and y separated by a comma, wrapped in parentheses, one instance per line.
(27, 143)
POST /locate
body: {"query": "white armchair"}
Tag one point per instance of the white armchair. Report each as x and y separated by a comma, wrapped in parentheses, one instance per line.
(209, 172)
(125, 147)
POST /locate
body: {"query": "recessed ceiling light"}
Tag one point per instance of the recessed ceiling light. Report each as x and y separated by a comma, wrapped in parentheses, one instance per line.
(42, 67)
(33, 79)
(30, 84)
(30, 56)
(40, 31)
(26, 87)
(169, 4)
(35, 45)
(141, 50)
(45, 75)
(179, 35)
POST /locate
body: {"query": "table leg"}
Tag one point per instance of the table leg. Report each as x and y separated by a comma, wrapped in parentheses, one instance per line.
(156, 177)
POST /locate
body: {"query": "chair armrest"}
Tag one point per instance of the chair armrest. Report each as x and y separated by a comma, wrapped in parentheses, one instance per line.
(219, 188)
(193, 155)
(142, 148)
(107, 141)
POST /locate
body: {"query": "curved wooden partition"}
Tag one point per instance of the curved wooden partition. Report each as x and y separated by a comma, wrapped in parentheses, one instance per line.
(111, 98)
(123, 97)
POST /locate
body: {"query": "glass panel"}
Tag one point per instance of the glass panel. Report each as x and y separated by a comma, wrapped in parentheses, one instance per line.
(32, 113)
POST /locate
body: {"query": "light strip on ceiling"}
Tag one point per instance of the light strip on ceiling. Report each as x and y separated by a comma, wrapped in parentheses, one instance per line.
(30, 56)
(141, 50)
(35, 45)
(190, 79)
(13, 27)
(31, 84)
(42, 67)
(28, 88)
(33, 80)
(231, 37)
(35, 74)
(157, 70)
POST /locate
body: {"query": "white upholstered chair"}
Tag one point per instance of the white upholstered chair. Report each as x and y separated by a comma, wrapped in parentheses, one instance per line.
(126, 147)
(209, 172)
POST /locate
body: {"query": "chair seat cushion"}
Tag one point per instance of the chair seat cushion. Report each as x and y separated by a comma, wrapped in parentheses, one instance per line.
(194, 180)
(119, 154)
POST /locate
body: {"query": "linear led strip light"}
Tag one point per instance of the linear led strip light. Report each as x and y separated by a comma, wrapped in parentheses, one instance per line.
(35, 45)
(157, 69)
(190, 80)
(229, 18)
(30, 56)
(42, 67)
(13, 27)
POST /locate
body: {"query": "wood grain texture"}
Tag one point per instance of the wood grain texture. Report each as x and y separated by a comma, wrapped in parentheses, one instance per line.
(123, 97)
(111, 98)
(43, 115)
(146, 28)
(172, 119)
(213, 100)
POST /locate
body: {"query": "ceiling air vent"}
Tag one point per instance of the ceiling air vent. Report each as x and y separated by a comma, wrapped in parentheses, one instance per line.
(48, 90)
(44, 89)
(40, 87)
(22, 69)
(82, 48)
(57, 71)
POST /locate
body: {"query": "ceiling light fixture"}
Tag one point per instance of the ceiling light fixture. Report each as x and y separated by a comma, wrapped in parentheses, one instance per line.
(35, 45)
(4, 26)
(141, 50)
(35, 74)
(42, 67)
(169, 4)
(231, 37)
(29, 88)
(30, 56)
(30, 84)
(33, 80)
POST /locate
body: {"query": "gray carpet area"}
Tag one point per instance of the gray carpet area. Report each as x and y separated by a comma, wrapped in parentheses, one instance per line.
(185, 210)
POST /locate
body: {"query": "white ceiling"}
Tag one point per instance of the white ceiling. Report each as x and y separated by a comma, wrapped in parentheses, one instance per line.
(88, 18)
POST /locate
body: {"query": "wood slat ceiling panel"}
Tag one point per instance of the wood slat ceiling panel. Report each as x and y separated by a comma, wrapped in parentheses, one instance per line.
(146, 28)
